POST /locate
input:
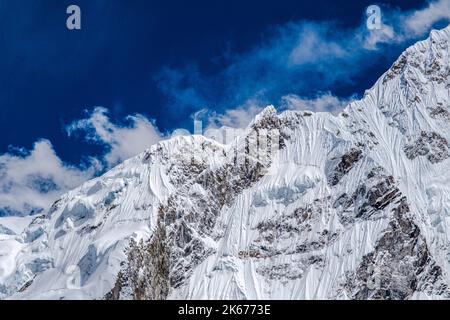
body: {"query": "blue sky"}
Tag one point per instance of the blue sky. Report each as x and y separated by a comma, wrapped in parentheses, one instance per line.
(74, 103)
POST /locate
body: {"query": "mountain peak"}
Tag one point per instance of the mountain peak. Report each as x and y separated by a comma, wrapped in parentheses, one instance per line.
(348, 207)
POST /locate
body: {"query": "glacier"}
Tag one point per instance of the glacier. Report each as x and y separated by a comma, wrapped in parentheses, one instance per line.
(347, 206)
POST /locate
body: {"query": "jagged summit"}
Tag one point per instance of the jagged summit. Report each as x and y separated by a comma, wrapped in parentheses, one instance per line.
(268, 112)
(353, 206)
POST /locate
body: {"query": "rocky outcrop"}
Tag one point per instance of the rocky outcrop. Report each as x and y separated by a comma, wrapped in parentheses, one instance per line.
(430, 145)
(145, 274)
(400, 264)
(345, 164)
(372, 196)
(301, 205)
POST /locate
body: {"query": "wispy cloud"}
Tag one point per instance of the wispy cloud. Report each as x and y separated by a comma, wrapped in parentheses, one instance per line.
(31, 180)
(417, 23)
(293, 58)
(296, 66)
(399, 27)
(321, 103)
(315, 43)
(234, 118)
(120, 141)
(302, 58)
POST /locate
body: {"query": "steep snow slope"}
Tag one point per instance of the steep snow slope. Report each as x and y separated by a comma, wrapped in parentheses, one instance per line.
(11, 244)
(86, 232)
(300, 206)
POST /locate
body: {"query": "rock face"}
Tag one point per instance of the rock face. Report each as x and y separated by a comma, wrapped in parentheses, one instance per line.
(399, 263)
(145, 273)
(429, 144)
(300, 205)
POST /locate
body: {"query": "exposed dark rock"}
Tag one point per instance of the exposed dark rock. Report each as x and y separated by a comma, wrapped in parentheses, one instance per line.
(429, 144)
(439, 112)
(396, 68)
(373, 196)
(400, 264)
(273, 234)
(26, 285)
(177, 246)
(55, 206)
(145, 276)
(347, 162)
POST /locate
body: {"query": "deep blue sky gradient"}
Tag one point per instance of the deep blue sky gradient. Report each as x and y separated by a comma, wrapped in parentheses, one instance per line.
(50, 75)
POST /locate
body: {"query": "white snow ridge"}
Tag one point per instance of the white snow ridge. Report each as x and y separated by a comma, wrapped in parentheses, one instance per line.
(353, 206)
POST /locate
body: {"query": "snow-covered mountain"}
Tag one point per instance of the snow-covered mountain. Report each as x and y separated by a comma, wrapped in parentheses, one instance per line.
(300, 205)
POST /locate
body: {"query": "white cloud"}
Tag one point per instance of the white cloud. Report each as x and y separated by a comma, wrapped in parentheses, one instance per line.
(226, 126)
(314, 46)
(238, 118)
(420, 22)
(300, 56)
(322, 103)
(384, 35)
(407, 25)
(123, 142)
(32, 181)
